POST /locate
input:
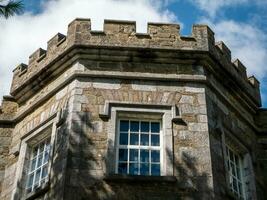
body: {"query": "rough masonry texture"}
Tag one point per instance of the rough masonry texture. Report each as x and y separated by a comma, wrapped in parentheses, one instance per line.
(84, 80)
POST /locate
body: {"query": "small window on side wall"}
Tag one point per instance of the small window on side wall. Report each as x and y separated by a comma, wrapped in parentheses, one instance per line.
(235, 173)
(38, 164)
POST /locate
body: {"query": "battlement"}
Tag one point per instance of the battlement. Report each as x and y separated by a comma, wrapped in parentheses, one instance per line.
(117, 33)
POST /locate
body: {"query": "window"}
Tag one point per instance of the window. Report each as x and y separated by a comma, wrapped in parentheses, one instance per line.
(139, 147)
(140, 138)
(234, 167)
(35, 156)
(38, 165)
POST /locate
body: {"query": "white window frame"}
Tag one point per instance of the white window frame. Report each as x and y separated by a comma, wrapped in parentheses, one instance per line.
(41, 167)
(30, 139)
(159, 148)
(248, 177)
(238, 194)
(115, 110)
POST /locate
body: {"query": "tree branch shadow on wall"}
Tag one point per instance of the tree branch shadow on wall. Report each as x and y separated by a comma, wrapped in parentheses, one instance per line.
(192, 183)
(79, 165)
(87, 178)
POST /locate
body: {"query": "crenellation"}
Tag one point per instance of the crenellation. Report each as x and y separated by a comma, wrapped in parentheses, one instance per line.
(37, 56)
(254, 82)
(123, 34)
(224, 49)
(20, 70)
(54, 42)
(204, 37)
(164, 30)
(240, 68)
(78, 30)
(21, 67)
(119, 27)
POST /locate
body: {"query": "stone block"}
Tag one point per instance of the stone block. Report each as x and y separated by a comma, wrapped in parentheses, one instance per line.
(197, 126)
(201, 98)
(194, 89)
(144, 86)
(107, 84)
(187, 99)
(202, 118)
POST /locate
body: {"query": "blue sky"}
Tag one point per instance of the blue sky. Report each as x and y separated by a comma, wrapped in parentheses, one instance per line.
(241, 24)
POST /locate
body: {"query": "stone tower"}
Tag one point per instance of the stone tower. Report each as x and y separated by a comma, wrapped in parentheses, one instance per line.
(116, 114)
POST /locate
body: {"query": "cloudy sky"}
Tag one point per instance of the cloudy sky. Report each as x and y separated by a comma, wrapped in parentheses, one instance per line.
(241, 24)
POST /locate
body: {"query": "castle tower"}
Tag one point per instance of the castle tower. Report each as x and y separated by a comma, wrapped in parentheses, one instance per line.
(116, 114)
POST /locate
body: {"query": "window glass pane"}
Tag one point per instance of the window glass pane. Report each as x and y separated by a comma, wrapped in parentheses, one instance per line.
(41, 147)
(47, 147)
(144, 126)
(46, 158)
(155, 169)
(155, 156)
(134, 127)
(40, 158)
(155, 127)
(133, 168)
(33, 164)
(45, 171)
(124, 125)
(145, 139)
(122, 168)
(35, 150)
(133, 154)
(37, 177)
(123, 154)
(134, 139)
(154, 140)
(124, 138)
(30, 181)
(144, 169)
(144, 155)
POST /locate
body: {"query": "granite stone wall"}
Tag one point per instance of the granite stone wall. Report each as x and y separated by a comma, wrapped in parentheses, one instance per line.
(89, 141)
(75, 85)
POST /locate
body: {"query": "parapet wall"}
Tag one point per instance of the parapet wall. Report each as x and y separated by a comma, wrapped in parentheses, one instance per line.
(123, 34)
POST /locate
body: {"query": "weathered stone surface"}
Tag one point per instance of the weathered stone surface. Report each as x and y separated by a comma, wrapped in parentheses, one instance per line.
(202, 99)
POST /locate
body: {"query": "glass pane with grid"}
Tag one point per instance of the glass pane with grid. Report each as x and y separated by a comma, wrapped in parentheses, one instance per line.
(234, 166)
(38, 169)
(139, 147)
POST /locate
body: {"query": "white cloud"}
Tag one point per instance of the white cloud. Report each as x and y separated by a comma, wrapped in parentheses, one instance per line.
(212, 6)
(246, 42)
(22, 35)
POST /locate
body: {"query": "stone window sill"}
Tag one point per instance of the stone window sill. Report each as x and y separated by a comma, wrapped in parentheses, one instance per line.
(38, 191)
(132, 178)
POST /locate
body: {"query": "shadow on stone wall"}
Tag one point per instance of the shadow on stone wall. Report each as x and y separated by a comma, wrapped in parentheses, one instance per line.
(87, 163)
(79, 163)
